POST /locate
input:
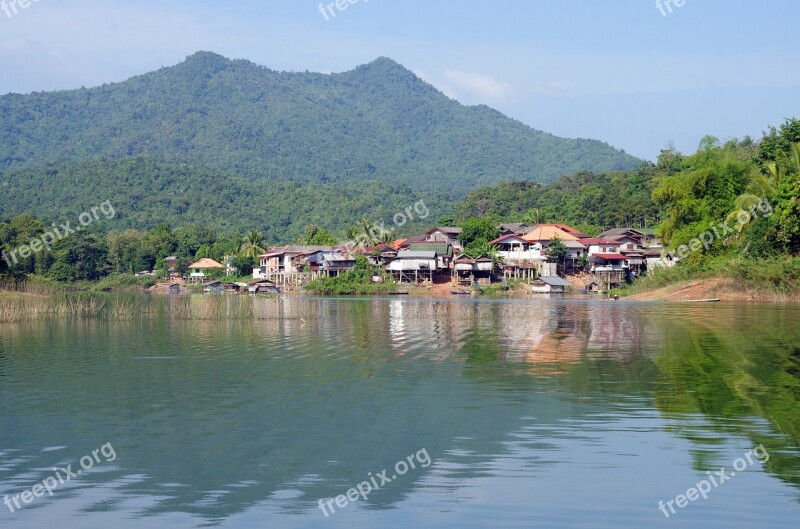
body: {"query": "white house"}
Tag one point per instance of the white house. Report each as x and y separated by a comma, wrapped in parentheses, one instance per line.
(514, 247)
(413, 266)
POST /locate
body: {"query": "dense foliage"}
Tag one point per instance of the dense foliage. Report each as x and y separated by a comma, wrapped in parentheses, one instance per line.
(378, 122)
(740, 198)
(357, 281)
(146, 192)
(591, 202)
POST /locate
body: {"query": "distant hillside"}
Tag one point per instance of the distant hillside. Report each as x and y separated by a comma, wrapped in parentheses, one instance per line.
(378, 122)
(147, 191)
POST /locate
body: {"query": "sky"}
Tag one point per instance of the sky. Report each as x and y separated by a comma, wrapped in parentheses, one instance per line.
(627, 72)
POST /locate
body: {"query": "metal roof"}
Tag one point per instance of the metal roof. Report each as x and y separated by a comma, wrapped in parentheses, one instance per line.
(555, 281)
(416, 255)
(442, 248)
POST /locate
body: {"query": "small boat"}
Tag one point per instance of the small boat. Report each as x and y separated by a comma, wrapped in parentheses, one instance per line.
(398, 293)
(460, 292)
(713, 300)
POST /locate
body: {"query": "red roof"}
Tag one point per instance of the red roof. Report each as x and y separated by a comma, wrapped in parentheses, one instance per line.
(610, 256)
(509, 236)
(572, 231)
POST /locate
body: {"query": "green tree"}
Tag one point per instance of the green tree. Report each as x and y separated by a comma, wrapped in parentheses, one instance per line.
(316, 236)
(253, 245)
(478, 231)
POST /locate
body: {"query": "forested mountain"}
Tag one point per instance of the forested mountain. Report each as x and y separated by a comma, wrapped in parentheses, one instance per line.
(149, 191)
(378, 122)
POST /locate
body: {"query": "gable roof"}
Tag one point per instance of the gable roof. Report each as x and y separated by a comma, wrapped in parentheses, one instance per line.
(449, 230)
(620, 232)
(205, 262)
(548, 232)
(504, 238)
(513, 227)
(572, 231)
(554, 281)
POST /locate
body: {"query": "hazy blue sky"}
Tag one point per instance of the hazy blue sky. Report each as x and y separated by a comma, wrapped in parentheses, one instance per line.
(615, 70)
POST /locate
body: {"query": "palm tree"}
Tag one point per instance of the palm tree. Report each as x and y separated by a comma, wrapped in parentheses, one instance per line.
(253, 244)
(762, 185)
(368, 226)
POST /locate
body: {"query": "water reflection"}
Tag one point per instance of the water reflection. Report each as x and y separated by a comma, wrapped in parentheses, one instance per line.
(220, 407)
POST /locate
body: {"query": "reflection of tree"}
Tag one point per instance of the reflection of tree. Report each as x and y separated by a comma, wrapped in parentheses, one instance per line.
(257, 396)
(732, 369)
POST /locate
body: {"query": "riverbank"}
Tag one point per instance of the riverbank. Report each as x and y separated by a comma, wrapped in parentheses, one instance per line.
(723, 289)
(740, 280)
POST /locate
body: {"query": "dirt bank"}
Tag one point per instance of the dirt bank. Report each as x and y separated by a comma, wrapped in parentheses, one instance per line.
(724, 289)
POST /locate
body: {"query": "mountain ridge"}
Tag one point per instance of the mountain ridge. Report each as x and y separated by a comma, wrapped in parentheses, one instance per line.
(378, 121)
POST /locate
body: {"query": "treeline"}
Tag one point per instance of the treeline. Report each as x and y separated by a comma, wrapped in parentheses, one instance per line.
(590, 202)
(739, 199)
(86, 256)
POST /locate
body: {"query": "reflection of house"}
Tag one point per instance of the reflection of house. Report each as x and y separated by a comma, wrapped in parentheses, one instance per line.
(445, 234)
(550, 285)
(198, 272)
(413, 267)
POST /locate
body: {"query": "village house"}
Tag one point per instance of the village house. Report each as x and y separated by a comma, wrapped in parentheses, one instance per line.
(413, 267)
(444, 252)
(445, 234)
(516, 228)
(283, 260)
(520, 258)
(198, 272)
(468, 271)
(544, 233)
(598, 245)
(550, 285)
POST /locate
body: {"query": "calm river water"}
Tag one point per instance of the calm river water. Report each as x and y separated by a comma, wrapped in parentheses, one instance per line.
(239, 412)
